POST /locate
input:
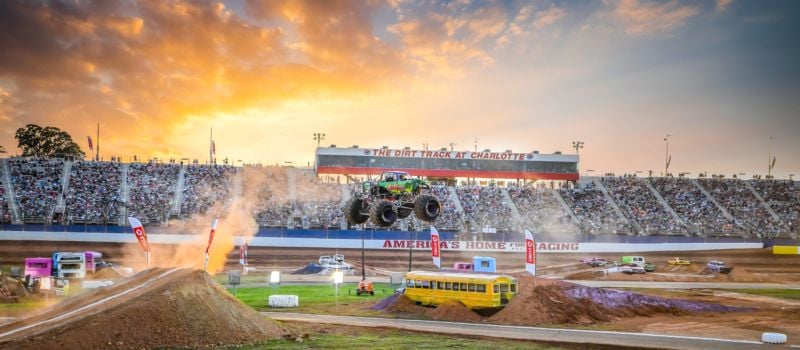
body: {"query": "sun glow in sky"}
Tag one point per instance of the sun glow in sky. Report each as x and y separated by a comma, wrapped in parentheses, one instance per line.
(720, 76)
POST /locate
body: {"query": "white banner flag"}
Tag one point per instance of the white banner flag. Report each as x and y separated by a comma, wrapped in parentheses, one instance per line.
(530, 253)
(436, 250)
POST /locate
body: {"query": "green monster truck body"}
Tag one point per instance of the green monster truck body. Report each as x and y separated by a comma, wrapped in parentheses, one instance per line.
(395, 195)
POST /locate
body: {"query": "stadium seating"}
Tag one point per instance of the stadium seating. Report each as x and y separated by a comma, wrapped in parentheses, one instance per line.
(748, 212)
(541, 209)
(151, 191)
(298, 199)
(93, 193)
(595, 213)
(37, 186)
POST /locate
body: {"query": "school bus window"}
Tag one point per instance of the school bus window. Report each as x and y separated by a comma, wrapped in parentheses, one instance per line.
(447, 286)
(503, 288)
(513, 288)
(480, 288)
(425, 284)
(496, 289)
(463, 287)
(455, 286)
(410, 284)
(439, 285)
(471, 287)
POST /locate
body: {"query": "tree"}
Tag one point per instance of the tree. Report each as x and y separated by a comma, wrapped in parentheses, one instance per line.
(47, 142)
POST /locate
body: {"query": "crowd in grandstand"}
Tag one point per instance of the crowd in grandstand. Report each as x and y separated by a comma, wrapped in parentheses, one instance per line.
(205, 185)
(93, 193)
(699, 213)
(641, 206)
(541, 209)
(740, 201)
(5, 211)
(37, 186)
(486, 207)
(450, 218)
(97, 193)
(151, 191)
(593, 210)
(784, 198)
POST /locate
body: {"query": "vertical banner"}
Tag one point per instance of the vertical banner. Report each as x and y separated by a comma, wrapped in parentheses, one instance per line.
(210, 239)
(436, 247)
(91, 146)
(141, 236)
(530, 253)
(243, 257)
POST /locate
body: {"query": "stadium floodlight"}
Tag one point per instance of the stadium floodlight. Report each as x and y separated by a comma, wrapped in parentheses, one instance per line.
(577, 145)
(318, 137)
(275, 277)
(338, 277)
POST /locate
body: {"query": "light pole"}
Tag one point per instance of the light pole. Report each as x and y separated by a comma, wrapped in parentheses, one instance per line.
(318, 137)
(667, 158)
(770, 160)
(577, 145)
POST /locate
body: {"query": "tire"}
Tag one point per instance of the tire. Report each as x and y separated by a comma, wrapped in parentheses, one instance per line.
(372, 293)
(383, 213)
(352, 211)
(427, 208)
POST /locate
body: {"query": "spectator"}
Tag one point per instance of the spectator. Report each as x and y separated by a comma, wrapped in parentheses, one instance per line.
(37, 185)
(93, 193)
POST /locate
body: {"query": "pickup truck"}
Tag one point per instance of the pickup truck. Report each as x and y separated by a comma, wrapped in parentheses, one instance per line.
(718, 266)
(597, 262)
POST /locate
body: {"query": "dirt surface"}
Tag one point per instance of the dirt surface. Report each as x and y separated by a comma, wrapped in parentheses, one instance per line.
(454, 311)
(750, 265)
(171, 308)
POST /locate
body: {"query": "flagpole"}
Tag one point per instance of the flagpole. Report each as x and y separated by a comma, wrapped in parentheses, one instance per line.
(97, 154)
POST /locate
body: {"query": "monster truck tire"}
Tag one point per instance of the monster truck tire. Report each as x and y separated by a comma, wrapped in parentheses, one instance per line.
(427, 208)
(352, 211)
(383, 214)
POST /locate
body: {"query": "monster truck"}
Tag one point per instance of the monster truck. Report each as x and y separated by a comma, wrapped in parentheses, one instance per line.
(394, 196)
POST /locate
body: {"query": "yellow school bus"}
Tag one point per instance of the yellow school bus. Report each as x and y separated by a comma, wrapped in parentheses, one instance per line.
(474, 290)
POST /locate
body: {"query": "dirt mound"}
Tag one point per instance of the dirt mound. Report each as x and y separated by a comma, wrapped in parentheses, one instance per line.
(311, 268)
(555, 302)
(104, 274)
(183, 309)
(454, 311)
(400, 304)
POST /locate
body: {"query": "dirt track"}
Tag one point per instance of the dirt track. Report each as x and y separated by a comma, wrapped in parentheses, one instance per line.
(155, 308)
(750, 265)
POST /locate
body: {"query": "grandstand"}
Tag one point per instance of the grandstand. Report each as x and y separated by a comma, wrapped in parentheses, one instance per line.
(60, 193)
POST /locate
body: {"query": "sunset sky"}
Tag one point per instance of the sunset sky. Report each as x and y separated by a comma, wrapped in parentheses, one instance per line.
(721, 77)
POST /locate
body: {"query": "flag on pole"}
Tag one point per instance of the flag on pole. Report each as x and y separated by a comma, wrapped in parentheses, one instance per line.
(243, 257)
(436, 248)
(243, 254)
(91, 146)
(669, 160)
(141, 236)
(772, 166)
(210, 239)
(530, 253)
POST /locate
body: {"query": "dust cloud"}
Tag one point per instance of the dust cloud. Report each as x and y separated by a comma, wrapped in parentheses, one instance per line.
(244, 196)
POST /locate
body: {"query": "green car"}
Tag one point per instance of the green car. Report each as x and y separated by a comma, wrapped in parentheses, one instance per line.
(649, 267)
(394, 196)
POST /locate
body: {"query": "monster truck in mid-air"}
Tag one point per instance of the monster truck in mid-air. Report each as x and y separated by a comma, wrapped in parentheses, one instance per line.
(394, 196)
